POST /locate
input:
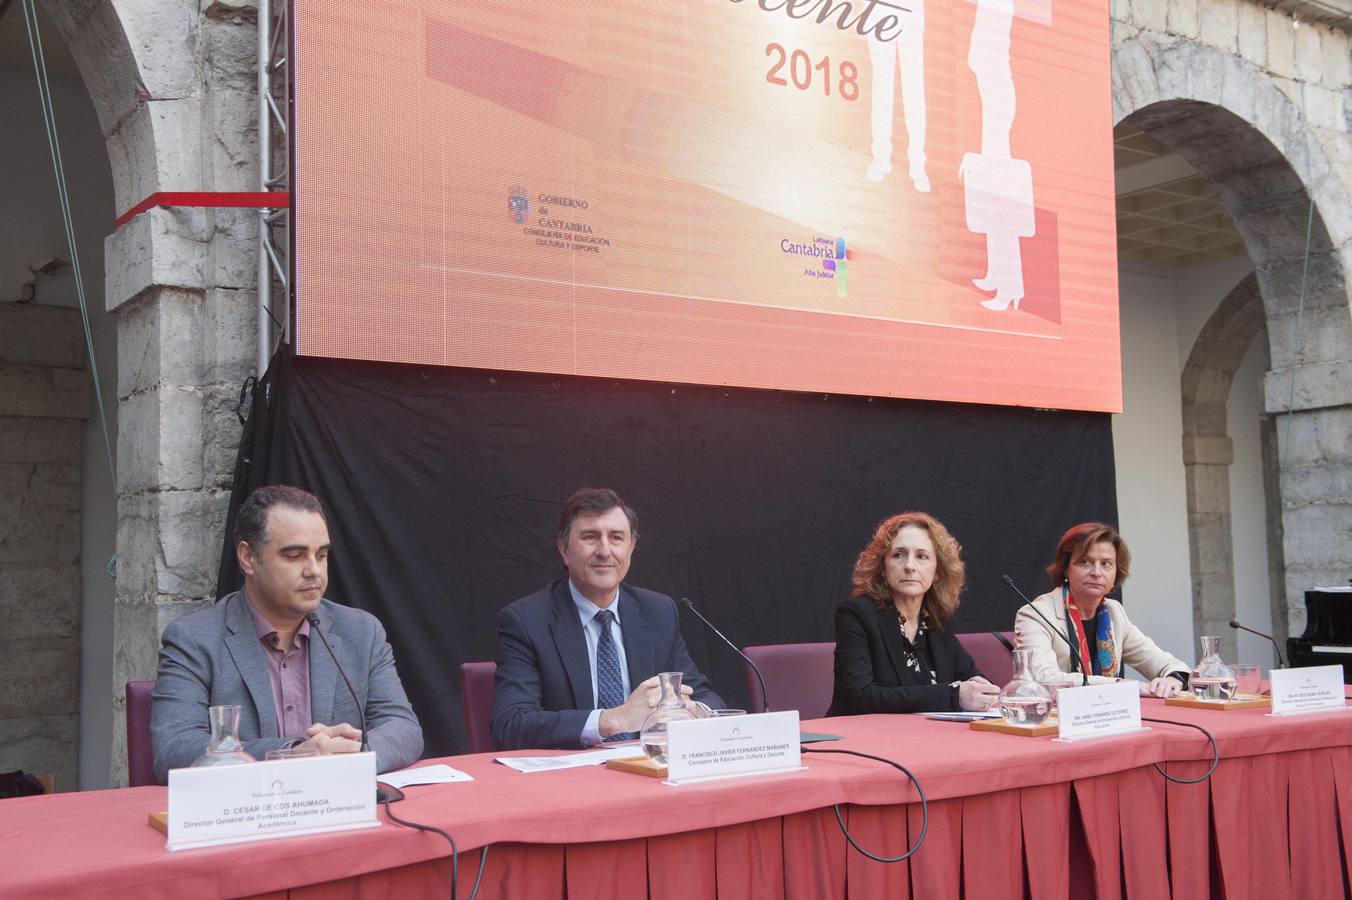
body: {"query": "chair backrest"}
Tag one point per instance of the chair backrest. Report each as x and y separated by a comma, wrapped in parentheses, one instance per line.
(140, 754)
(991, 655)
(476, 703)
(797, 676)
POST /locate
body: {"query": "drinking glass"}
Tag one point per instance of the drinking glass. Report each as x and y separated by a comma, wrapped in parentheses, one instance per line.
(1248, 680)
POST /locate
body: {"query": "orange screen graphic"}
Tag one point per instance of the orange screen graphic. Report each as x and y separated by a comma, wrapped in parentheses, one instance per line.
(813, 195)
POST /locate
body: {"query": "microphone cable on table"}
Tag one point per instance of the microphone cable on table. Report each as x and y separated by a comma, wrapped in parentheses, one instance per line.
(924, 806)
(384, 796)
(1215, 752)
(455, 853)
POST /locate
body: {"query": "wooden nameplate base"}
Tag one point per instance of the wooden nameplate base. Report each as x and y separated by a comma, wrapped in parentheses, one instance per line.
(1238, 703)
(1002, 727)
(159, 821)
(638, 765)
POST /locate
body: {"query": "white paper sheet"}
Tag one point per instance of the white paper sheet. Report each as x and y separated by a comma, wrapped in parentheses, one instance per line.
(570, 761)
(438, 774)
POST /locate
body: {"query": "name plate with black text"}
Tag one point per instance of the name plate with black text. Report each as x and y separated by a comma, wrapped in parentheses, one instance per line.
(701, 749)
(256, 801)
(1098, 710)
(1306, 690)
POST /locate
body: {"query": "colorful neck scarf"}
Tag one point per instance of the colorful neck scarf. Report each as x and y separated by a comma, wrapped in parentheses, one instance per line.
(1103, 660)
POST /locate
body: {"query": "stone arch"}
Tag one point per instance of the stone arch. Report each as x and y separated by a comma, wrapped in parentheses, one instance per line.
(174, 86)
(101, 40)
(1208, 452)
(1276, 174)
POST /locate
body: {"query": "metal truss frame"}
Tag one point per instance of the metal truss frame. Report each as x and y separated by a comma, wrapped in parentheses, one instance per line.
(274, 174)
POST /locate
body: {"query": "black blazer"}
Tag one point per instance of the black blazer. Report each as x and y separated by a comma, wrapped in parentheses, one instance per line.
(871, 675)
(543, 691)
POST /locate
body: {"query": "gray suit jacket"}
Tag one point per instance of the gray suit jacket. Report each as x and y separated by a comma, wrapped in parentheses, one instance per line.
(213, 657)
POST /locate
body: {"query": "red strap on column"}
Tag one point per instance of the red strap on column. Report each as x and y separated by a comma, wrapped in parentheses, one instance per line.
(224, 199)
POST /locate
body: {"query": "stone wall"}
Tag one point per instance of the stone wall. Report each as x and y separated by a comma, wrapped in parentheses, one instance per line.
(1257, 102)
(44, 395)
(174, 85)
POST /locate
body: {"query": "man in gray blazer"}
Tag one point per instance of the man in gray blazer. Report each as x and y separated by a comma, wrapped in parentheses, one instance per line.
(253, 649)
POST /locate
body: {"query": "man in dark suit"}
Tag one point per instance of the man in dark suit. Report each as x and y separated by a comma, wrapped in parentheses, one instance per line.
(252, 649)
(577, 661)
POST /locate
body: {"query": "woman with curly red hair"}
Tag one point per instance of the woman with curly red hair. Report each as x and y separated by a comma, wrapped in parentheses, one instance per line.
(893, 653)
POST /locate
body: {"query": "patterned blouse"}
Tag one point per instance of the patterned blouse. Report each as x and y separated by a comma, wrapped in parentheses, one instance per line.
(916, 652)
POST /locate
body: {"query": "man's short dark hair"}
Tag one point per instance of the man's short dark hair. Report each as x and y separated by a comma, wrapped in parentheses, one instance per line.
(594, 502)
(251, 524)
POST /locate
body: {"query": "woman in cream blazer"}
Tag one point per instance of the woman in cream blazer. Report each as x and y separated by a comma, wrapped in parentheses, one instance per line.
(1088, 632)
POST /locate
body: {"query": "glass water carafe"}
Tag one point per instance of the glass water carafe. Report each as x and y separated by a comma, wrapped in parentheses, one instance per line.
(1212, 679)
(225, 748)
(670, 708)
(1023, 701)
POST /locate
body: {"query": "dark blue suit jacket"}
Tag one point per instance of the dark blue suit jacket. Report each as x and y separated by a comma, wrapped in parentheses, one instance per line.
(543, 693)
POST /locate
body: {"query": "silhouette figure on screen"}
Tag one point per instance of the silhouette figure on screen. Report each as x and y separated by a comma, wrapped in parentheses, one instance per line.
(999, 188)
(905, 52)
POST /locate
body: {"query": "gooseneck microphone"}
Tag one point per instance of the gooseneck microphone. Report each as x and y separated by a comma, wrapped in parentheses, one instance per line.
(1276, 648)
(1074, 654)
(765, 696)
(313, 619)
(383, 794)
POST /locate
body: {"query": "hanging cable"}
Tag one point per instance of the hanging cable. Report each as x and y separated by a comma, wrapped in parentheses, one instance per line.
(30, 18)
(924, 806)
(1304, 273)
(1215, 753)
(483, 858)
(455, 853)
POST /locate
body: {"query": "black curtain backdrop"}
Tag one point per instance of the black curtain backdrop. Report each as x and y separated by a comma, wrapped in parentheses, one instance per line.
(443, 489)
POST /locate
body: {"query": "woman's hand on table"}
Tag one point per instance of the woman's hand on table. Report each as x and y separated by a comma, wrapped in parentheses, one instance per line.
(1164, 686)
(977, 694)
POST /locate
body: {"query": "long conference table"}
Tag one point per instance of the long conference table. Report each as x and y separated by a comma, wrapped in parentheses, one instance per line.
(1009, 817)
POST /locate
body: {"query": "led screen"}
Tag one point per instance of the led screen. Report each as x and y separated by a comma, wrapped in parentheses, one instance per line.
(857, 197)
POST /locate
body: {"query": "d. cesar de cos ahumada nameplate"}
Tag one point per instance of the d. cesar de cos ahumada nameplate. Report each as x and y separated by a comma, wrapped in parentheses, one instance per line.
(1307, 690)
(1098, 710)
(283, 798)
(733, 746)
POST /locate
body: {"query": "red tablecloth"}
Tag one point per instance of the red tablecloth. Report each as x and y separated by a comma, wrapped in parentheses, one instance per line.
(1009, 817)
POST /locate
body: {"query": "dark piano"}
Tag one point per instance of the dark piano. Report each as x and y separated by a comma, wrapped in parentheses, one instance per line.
(1327, 640)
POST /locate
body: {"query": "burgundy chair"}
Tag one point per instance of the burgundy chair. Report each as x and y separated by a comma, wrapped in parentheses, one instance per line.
(992, 651)
(140, 756)
(476, 703)
(797, 676)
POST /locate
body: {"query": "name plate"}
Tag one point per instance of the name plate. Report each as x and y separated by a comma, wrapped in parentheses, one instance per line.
(1314, 689)
(1098, 710)
(254, 802)
(700, 749)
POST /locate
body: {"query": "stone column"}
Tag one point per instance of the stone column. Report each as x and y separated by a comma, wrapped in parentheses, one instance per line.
(182, 283)
(1208, 452)
(44, 395)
